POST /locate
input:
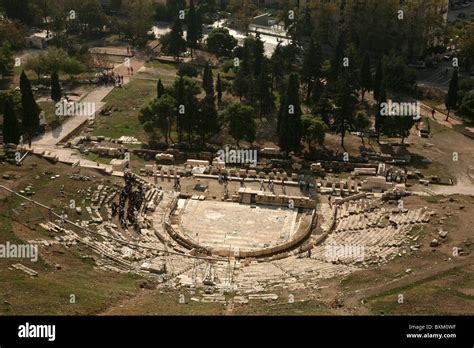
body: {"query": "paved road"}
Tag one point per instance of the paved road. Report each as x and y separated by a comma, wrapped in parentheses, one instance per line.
(53, 137)
(270, 41)
(49, 141)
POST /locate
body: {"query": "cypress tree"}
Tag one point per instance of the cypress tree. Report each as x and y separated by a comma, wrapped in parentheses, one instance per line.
(180, 101)
(346, 101)
(160, 89)
(208, 80)
(258, 55)
(378, 117)
(31, 110)
(264, 95)
(55, 87)
(452, 97)
(208, 124)
(176, 44)
(311, 69)
(290, 131)
(11, 131)
(378, 81)
(337, 60)
(192, 33)
(365, 76)
(219, 88)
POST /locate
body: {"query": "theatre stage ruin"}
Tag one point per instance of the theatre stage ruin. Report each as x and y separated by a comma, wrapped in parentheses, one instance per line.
(251, 241)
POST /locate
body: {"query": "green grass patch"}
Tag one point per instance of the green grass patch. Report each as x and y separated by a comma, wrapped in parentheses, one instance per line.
(157, 64)
(129, 101)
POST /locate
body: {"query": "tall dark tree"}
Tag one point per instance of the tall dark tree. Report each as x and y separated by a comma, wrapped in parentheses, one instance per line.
(277, 61)
(338, 57)
(365, 76)
(452, 97)
(317, 91)
(290, 131)
(219, 88)
(208, 80)
(245, 74)
(240, 84)
(199, 34)
(192, 36)
(180, 97)
(258, 53)
(160, 89)
(11, 131)
(192, 109)
(208, 124)
(346, 101)
(55, 87)
(264, 95)
(378, 78)
(31, 110)
(176, 43)
(379, 119)
(311, 69)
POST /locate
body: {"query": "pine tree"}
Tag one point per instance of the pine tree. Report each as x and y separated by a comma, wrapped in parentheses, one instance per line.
(219, 88)
(160, 89)
(11, 131)
(31, 110)
(55, 87)
(452, 97)
(241, 123)
(365, 76)
(290, 131)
